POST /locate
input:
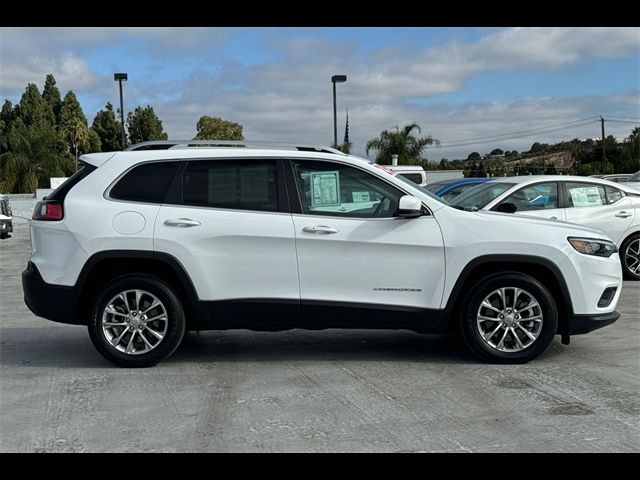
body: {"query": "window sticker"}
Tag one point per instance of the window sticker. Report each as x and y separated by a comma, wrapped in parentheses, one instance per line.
(325, 188)
(360, 197)
(586, 197)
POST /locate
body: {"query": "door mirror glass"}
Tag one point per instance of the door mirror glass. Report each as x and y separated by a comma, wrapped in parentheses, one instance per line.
(409, 207)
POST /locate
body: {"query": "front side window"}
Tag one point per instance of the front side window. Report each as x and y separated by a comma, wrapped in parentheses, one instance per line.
(148, 183)
(585, 195)
(235, 184)
(459, 190)
(338, 190)
(479, 196)
(535, 197)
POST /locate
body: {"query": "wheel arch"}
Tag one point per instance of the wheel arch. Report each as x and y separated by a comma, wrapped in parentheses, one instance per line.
(540, 268)
(107, 265)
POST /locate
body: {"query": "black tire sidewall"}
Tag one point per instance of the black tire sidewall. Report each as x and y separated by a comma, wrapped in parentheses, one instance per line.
(480, 290)
(175, 316)
(623, 260)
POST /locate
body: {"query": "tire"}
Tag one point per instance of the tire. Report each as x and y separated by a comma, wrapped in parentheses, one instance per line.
(542, 328)
(127, 339)
(630, 257)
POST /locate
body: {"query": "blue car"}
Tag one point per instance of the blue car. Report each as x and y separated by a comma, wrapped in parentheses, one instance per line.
(450, 189)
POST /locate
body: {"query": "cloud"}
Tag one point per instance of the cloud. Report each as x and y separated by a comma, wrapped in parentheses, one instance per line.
(287, 95)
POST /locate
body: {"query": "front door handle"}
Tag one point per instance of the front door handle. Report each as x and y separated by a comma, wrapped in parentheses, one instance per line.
(553, 218)
(181, 222)
(623, 214)
(323, 229)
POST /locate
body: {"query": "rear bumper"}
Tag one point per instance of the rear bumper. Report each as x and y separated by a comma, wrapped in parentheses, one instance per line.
(579, 324)
(53, 302)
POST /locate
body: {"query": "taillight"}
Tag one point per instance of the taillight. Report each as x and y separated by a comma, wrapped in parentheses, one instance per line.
(49, 210)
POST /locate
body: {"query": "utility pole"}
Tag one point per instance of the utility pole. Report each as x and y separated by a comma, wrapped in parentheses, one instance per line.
(604, 151)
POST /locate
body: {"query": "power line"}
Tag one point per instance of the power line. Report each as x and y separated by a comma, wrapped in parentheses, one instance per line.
(529, 130)
(636, 122)
(515, 137)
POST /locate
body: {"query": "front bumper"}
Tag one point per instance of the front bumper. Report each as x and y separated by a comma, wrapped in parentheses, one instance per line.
(579, 324)
(53, 302)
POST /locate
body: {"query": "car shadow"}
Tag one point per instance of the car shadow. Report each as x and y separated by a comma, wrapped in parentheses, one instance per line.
(70, 347)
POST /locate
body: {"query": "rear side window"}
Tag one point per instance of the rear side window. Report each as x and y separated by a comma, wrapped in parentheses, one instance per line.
(585, 195)
(613, 195)
(236, 184)
(147, 183)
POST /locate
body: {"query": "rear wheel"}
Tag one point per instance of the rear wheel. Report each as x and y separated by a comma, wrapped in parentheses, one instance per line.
(508, 317)
(136, 321)
(630, 257)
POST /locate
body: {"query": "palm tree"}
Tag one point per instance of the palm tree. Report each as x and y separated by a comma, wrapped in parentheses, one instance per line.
(31, 160)
(576, 151)
(77, 134)
(402, 143)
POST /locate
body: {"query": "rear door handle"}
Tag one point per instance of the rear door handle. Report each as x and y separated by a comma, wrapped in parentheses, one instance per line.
(553, 218)
(623, 214)
(181, 222)
(323, 229)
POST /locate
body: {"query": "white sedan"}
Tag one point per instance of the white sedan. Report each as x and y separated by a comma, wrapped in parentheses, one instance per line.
(611, 207)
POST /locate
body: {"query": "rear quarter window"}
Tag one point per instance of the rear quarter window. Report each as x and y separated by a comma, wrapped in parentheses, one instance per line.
(148, 183)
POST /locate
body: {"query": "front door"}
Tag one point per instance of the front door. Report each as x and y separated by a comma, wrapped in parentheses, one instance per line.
(353, 252)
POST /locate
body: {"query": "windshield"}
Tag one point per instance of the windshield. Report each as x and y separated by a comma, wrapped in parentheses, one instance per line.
(481, 195)
(635, 177)
(422, 189)
(434, 187)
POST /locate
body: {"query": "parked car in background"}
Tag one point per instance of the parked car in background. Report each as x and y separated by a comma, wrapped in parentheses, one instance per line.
(415, 173)
(450, 189)
(6, 218)
(614, 177)
(634, 181)
(610, 207)
(145, 244)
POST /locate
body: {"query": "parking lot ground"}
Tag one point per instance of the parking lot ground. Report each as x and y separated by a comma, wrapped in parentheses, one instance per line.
(332, 390)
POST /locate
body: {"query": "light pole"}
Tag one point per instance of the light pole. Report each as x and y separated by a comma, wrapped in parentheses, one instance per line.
(336, 79)
(120, 77)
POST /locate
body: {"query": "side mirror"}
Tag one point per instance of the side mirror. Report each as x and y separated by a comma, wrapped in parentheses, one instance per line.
(409, 207)
(506, 207)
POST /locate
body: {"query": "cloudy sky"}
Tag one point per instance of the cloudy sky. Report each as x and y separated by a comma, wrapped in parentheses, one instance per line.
(471, 88)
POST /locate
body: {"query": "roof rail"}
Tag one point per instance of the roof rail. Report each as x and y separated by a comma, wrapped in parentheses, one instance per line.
(183, 144)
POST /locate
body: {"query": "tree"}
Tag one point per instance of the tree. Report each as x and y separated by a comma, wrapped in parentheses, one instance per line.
(32, 159)
(536, 147)
(496, 151)
(93, 142)
(402, 143)
(474, 157)
(108, 129)
(34, 110)
(215, 128)
(51, 95)
(7, 116)
(143, 125)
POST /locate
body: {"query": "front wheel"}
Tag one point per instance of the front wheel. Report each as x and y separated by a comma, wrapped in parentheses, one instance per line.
(630, 257)
(508, 317)
(136, 321)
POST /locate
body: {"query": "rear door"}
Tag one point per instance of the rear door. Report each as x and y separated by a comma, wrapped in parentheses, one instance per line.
(227, 222)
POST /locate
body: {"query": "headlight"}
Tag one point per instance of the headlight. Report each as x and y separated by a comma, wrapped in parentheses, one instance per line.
(592, 246)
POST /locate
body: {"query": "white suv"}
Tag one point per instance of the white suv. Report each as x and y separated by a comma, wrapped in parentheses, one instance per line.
(145, 244)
